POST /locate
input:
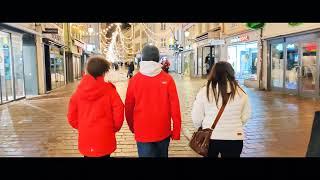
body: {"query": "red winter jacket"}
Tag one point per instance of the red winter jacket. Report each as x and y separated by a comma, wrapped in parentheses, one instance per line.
(150, 104)
(97, 112)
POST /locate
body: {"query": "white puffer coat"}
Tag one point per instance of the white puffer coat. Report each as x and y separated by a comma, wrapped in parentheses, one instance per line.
(232, 120)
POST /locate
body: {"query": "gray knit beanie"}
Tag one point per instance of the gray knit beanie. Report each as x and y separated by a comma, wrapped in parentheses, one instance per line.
(150, 53)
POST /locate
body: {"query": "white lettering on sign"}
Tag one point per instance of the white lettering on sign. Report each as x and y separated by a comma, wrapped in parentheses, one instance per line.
(241, 38)
(216, 42)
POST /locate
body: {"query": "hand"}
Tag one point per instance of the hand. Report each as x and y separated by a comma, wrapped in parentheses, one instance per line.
(175, 137)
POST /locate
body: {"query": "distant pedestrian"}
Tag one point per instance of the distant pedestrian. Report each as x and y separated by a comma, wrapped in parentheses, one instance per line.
(130, 70)
(96, 111)
(116, 66)
(165, 65)
(222, 88)
(151, 104)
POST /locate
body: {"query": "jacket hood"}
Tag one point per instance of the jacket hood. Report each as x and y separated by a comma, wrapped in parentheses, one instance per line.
(150, 68)
(90, 88)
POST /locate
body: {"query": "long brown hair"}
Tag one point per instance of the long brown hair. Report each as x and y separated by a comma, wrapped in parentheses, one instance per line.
(222, 73)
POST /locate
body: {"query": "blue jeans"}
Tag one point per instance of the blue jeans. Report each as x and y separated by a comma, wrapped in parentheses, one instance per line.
(154, 149)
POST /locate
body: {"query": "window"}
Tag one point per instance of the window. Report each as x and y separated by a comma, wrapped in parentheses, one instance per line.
(199, 28)
(60, 25)
(244, 59)
(163, 42)
(163, 26)
(143, 35)
(137, 33)
(137, 47)
(207, 27)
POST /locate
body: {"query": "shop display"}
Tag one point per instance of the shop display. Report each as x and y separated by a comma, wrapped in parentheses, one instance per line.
(298, 68)
(243, 58)
(56, 67)
(11, 67)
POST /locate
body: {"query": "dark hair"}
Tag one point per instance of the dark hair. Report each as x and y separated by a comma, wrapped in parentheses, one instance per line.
(97, 66)
(150, 53)
(222, 73)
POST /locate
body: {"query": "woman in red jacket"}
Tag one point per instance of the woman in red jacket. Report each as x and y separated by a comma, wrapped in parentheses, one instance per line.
(96, 111)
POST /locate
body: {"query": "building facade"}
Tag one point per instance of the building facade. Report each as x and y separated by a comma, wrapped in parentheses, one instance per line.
(158, 34)
(291, 58)
(201, 48)
(18, 61)
(54, 62)
(242, 50)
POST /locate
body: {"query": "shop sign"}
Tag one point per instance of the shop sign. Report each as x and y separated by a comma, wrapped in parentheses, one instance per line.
(90, 47)
(241, 38)
(53, 32)
(78, 43)
(233, 28)
(216, 42)
(50, 31)
(188, 47)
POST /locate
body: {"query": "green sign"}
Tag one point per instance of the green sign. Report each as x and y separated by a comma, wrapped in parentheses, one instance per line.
(294, 24)
(255, 25)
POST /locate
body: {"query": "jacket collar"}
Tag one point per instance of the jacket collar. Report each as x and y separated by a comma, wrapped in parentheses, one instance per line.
(150, 68)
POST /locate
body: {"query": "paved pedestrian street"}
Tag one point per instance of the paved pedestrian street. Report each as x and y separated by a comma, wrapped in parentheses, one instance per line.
(279, 127)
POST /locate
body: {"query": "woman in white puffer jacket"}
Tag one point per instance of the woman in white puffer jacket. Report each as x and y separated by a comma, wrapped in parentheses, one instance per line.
(227, 137)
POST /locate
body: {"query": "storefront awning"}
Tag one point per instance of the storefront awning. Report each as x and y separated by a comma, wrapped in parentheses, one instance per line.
(50, 41)
(17, 26)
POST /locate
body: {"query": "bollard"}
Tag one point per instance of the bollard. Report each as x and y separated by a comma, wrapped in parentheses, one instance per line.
(314, 143)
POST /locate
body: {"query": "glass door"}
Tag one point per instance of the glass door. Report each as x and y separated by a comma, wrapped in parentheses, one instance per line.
(6, 76)
(54, 78)
(277, 66)
(292, 67)
(18, 66)
(308, 72)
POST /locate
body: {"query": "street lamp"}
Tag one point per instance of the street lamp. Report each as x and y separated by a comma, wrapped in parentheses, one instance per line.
(186, 34)
(90, 30)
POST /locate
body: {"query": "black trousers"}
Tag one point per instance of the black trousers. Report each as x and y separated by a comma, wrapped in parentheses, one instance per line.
(227, 148)
(106, 156)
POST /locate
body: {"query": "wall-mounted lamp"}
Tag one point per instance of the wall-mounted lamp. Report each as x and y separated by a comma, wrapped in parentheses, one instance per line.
(90, 30)
(186, 34)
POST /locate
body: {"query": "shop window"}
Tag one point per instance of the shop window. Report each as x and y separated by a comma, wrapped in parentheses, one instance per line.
(143, 35)
(56, 66)
(163, 26)
(207, 27)
(277, 65)
(137, 33)
(6, 81)
(199, 28)
(18, 65)
(244, 59)
(291, 80)
(163, 42)
(137, 47)
(309, 66)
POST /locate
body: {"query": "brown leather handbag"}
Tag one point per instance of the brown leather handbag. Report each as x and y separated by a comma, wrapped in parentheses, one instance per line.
(200, 140)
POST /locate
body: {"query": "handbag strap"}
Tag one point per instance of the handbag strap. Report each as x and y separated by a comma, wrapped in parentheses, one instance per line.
(219, 113)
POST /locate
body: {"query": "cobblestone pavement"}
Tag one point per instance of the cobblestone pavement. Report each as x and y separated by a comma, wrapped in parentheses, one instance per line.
(279, 127)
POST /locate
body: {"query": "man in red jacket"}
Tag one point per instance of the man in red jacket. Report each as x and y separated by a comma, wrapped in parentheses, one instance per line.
(151, 102)
(96, 111)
